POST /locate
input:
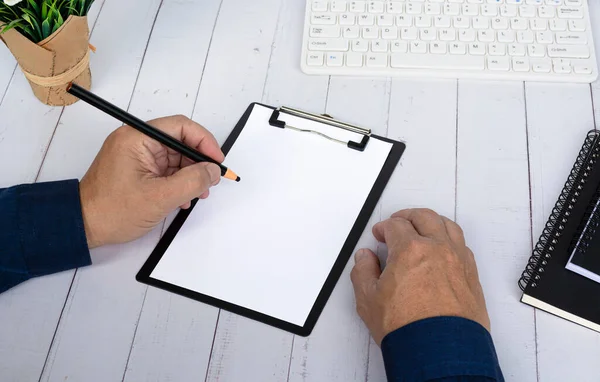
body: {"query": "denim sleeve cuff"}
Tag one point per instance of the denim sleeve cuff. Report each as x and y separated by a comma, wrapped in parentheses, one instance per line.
(51, 227)
(440, 347)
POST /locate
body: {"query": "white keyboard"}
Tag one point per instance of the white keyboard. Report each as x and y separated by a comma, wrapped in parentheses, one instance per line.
(525, 40)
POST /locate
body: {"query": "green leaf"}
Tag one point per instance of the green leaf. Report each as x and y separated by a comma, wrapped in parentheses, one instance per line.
(46, 28)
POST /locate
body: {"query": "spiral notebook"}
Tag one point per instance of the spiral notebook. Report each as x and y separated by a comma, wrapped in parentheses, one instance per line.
(585, 258)
(549, 281)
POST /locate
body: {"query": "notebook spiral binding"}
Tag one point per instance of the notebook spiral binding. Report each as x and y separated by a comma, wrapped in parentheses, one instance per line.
(543, 251)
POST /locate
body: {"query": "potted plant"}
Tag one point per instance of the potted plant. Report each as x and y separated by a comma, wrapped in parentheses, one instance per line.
(50, 40)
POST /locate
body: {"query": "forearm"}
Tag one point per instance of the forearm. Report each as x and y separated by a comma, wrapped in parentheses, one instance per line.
(441, 349)
(41, 231)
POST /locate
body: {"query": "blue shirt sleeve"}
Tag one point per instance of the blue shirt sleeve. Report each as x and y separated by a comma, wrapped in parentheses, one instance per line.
(41, 231)
(441, 349)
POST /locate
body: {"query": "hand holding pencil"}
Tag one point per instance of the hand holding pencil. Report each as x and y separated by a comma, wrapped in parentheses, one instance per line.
(135, 181)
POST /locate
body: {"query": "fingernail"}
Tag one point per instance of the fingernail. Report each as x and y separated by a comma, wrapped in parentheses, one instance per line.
(215, 173)
(361, 255)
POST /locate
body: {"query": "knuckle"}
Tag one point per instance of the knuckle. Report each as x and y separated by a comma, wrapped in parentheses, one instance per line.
(428, 213)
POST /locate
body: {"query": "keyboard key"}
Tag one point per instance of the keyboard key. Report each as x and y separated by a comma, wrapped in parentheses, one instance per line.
(575, 25)
(447, 34)
(582, 66)
(489, 10)
(442, 21)
(498, 63)
(561, 68)
(418, 47)
(338, 6)
(354, 60)
(314, 59)
(461, 22)
(319, 6)
(323, 19)
(506, 36)
(525, 36)
(516, 49)
(499, 23)
(451, 9)
(399, 47)
(328, 44)
(379, 46)
(527, 11)
(394, 7)
(423, 21)
(404, 21)
(458, 48)
(518, 23)
(335, 59)
(554, 2)
(570, 13)
(428, 34)
(414, 8)
(347, 19)
(538, 24)
(481, 22)
(408, 33)
(536, 50)
(325, 32)
(541, 65)
(377, 60)
(360, 46)
(357, 6)
(546, 12)
(385, 20)
(486, 36)
(508, 10)
(351, 32)
(458, 62)
(438, 48)
(520, 64)
(370, 32)
(571, 38)
(477, 49)
(497, 49)
(573, 3)
(389, 33)
(544, 37)
(366, 19)
(466, 35)
(560, 25)
(433, 9)
(375, 7)
(471, 10)
(568, 51)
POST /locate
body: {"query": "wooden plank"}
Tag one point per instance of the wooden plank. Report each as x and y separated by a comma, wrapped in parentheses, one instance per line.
(426, 175)
(174, 334)
(8, 64)
(30, 311)
(337, 350)
(558, 118)
(99, 318)
(493, 210)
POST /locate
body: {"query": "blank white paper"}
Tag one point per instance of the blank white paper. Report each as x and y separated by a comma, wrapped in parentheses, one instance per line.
(269, 242)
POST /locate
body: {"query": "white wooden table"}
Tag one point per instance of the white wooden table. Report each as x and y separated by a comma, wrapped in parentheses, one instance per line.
(493, 155)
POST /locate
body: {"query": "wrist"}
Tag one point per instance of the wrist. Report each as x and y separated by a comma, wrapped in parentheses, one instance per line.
(88, 213)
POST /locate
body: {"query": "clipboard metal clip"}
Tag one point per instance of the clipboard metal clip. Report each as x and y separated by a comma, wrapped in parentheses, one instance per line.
(324, 119)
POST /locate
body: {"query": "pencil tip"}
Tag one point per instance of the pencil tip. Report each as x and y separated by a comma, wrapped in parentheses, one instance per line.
(238, 179)
(69, 86)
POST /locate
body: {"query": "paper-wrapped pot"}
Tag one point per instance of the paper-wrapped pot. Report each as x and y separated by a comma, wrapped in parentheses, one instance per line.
(54, 62)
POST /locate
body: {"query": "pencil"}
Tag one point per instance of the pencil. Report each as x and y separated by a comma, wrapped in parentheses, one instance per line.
(145, 128)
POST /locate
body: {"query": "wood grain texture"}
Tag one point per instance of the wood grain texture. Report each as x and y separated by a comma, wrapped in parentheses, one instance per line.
(174, 335)
(558, 118)
(426, 174)
(493, 209)
(320, 357)
(104, 302)
(29, 312)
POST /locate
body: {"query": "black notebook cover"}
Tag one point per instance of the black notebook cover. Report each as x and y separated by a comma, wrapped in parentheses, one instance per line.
(546, 282)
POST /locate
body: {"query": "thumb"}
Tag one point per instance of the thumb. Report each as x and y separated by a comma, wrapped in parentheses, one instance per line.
(365, 273)
(190, 182)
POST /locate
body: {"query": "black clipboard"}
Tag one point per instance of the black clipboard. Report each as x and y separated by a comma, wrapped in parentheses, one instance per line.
(346, 252)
